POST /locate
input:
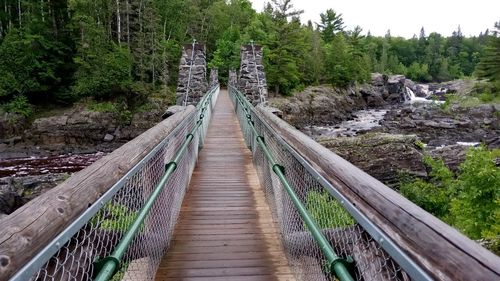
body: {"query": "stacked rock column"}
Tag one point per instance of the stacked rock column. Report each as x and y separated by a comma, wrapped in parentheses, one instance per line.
(252, 80)
(214, 77)
(233, 78)
(192, 83)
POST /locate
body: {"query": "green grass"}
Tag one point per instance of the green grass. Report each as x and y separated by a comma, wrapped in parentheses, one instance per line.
(108, 106)
(420, 144)
(120, 109)
(470, 101)
(114, 217)
(326, 211)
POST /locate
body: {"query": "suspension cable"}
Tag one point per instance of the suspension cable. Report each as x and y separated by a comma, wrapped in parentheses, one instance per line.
(190, 74)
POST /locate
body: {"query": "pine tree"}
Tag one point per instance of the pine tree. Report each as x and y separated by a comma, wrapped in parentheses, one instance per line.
(331, 24)
(489, 66)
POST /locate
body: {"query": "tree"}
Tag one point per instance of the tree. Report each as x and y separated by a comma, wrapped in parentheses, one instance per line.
(103, 66)
(35, 56)
(227, 53)
(345, 65)
(489, 66)
(331, 24)
(313, 68)
(283, 9)
(284, 42)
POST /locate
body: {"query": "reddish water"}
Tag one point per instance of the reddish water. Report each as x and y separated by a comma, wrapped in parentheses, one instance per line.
(44, 165)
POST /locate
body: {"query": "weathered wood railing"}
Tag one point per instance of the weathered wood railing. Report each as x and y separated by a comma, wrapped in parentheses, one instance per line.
(440, 251)
(30, 228)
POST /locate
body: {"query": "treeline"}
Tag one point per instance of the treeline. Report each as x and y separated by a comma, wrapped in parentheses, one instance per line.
(326, 52)
(60, 51)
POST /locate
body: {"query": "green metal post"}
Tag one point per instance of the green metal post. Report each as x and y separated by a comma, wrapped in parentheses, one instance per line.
(112, 263)
(336, 263)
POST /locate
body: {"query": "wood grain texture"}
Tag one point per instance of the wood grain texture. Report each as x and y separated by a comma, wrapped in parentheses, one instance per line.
(32, 226)
(225, 230)
(439, 249)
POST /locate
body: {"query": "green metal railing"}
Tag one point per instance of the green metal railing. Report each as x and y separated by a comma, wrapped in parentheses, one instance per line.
(108, 266)
(336, 265)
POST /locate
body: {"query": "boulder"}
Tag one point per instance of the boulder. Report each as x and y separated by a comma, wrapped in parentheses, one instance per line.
(395, 88)
(452, 155)
(319, 105)
(173, 110)
(109, 137)
(12, 124)
(9, 198)
(379, 80)
(383, 156)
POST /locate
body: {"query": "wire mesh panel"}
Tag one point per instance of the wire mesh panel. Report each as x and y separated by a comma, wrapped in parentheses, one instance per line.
(345, 235)
(75, 260)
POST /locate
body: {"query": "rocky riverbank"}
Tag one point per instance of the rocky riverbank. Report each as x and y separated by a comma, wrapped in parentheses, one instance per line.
(17, 191)
(386, 126)
(77, 131)
(436, 127)
(36, 156)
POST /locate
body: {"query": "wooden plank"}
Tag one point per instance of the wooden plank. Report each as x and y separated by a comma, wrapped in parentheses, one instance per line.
(227, 243)
(439, 249)
(257, 250)
(221, 256)
(34, 225)
(231, 278)
(225, 230)
(237, 272)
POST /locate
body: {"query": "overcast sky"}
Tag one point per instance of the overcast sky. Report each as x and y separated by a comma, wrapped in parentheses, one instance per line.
(403, 17)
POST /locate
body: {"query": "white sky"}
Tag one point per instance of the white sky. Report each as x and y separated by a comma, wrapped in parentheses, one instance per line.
(405, 17)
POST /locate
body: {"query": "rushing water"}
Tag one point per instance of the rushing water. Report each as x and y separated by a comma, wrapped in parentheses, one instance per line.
(364, 120)
(31, 166)
(410, 97)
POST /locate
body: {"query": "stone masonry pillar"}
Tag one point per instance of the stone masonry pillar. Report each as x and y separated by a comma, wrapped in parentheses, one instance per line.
(214, 77)
(192, 84)
(252, 80)
(233, 78)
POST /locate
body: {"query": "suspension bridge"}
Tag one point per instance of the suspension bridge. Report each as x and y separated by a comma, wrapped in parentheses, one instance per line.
(226, 190)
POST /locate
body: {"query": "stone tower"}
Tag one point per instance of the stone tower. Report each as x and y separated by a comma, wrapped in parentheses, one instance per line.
(252, 80)
(192, 84)
(214, 77)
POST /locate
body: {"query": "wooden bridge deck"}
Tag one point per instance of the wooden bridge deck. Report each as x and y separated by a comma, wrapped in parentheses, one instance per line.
(225, 230)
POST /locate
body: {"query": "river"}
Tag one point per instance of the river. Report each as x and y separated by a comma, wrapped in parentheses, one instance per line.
(32, 166)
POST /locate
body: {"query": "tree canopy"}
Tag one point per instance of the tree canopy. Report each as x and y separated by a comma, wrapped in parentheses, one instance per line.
(59, 51)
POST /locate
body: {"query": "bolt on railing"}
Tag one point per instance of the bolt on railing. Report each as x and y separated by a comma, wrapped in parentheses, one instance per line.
(336, 264)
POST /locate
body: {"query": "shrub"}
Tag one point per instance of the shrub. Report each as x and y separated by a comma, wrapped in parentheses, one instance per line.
(431, 195)
(19, 105)
(469, 200)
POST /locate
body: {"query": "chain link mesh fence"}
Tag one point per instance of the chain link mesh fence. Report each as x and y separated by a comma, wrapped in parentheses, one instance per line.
(344, 234)
(75, 260)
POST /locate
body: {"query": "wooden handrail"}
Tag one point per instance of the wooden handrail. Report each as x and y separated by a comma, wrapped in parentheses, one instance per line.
(439, 249)
(26, 231)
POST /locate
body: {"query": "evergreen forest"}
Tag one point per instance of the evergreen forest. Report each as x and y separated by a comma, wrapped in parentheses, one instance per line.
(62, 51)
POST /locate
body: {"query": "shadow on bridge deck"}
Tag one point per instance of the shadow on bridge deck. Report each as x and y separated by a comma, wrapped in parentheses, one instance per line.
(225, 230)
